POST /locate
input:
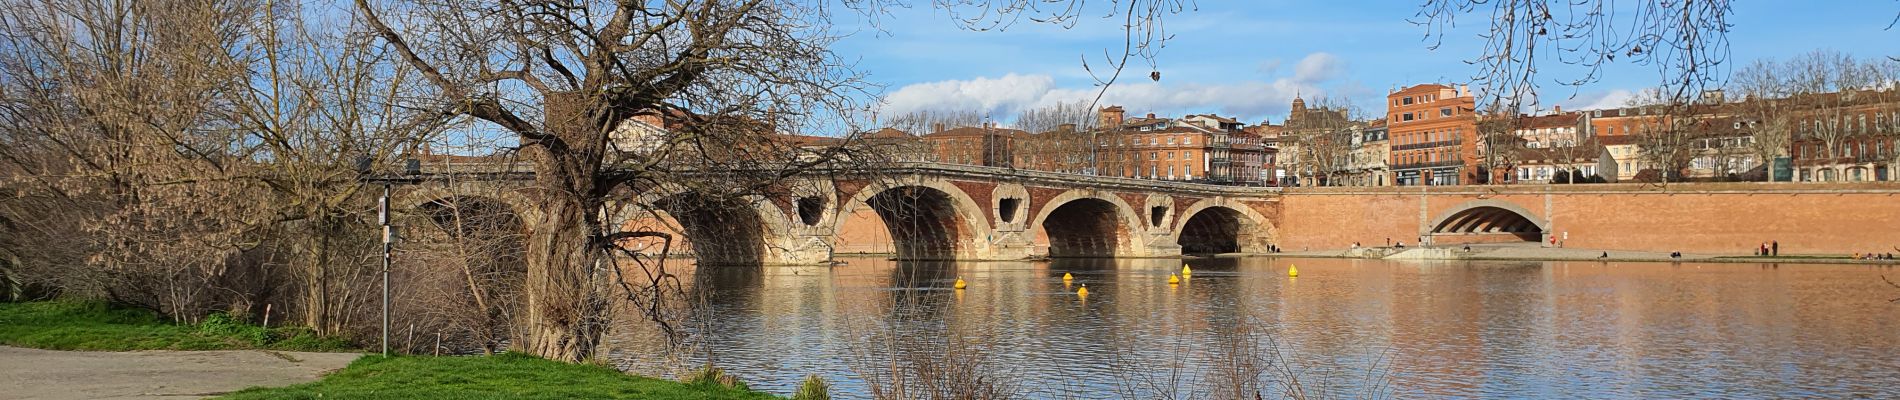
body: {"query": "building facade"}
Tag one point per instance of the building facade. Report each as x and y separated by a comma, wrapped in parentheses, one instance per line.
(1433, 130)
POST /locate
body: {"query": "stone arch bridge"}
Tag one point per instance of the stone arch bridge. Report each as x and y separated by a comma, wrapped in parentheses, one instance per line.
(935, 211)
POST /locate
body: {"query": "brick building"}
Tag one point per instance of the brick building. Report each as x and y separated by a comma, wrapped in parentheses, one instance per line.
(1845, 137)
(1202, 148)
(987, 145)
(1433, 135)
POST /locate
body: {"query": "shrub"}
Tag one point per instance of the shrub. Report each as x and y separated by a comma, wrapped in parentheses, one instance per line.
(814, 388)
(714, 376)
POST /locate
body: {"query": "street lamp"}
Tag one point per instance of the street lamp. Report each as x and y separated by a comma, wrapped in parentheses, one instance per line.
(411, 174)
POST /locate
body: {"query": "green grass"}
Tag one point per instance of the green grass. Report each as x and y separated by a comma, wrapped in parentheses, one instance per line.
(75, 325)
(506, 376)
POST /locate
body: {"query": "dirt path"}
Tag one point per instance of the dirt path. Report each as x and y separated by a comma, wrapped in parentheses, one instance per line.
(50, 374)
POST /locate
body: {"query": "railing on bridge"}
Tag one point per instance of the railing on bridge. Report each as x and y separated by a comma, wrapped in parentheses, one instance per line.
(521, 170)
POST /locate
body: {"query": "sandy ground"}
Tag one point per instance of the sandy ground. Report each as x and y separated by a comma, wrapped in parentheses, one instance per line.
(50, 374)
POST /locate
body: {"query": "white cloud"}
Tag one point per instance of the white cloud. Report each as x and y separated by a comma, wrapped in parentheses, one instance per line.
(1004, 97)
(1318, 67)
(1599, 100)
(1009, 92)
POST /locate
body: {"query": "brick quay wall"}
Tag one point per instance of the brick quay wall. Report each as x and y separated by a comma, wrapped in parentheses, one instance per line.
(1694, 217)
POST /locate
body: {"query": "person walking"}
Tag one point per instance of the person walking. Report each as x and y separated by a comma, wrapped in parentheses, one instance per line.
(1774, 248)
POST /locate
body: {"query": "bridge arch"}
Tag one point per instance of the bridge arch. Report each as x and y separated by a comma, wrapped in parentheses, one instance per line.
(1486, 221)
(1216, 226)
(719, 230)
(1086, 223)
(433, 194)
(927, 219)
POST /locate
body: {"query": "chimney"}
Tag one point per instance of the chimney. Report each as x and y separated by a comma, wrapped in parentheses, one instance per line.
(1556, 109)
(1464, 90)
(1151, 115)
(936, 127)
(1110, 117)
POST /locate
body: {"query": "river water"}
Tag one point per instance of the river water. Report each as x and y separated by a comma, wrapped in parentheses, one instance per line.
(1343, 327)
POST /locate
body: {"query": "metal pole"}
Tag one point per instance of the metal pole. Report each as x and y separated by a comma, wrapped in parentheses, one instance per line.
(388, 239)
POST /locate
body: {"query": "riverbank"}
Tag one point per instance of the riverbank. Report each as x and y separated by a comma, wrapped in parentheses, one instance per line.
(1533, 252)
(506, 376)
(134, 354)
(94, 326)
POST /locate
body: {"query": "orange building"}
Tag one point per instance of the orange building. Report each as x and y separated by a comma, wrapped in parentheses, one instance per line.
(1433, 132)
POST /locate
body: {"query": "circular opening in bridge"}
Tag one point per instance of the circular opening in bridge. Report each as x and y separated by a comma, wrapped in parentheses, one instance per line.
(810, 210)
(719, 231)
(1006, 209)
(1213, 230)
(923, 222)
(1486, 224)
(1083, 228)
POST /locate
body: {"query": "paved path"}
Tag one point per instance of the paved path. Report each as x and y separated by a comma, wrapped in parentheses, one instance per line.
(52, 374)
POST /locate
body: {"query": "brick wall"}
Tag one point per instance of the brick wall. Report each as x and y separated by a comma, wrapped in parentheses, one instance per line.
(1724, 218)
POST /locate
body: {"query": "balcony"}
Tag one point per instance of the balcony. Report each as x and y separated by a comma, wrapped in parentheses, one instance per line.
(1437, 164)
(1427, 145)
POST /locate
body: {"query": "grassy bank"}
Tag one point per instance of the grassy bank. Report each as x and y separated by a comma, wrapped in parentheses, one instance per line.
(73, 325)
(507, 376)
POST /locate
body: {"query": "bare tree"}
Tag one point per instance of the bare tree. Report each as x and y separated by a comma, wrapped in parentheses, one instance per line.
(1684, 40)
(1767, 115)
(1322, 140)
(1064, 137)
(931, 121)
(202, 146)
(1078, 115)
(562, 77)
(1497, 135)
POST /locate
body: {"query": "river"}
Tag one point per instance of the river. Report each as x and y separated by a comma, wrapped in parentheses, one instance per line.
(1345, 327)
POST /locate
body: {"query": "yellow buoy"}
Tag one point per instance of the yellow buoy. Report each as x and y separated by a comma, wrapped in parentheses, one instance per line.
(1084, 291)
(960, 283)
(1173, 279)
(1292, 270)
(1185, 271)
(1066, 277)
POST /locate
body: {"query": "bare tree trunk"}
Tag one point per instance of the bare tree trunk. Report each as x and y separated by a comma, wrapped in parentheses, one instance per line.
(562, 323)
(566, 312)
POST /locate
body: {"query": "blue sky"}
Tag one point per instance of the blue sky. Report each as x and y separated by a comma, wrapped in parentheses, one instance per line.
(1249, 58)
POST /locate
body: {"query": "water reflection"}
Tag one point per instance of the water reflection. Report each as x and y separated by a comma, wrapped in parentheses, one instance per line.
(1429, 329)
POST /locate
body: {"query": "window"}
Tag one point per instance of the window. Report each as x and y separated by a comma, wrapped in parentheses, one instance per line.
(1187, 140)
(1154, 155)
(1406, 101)
(1407, 117)
(1445, 111)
